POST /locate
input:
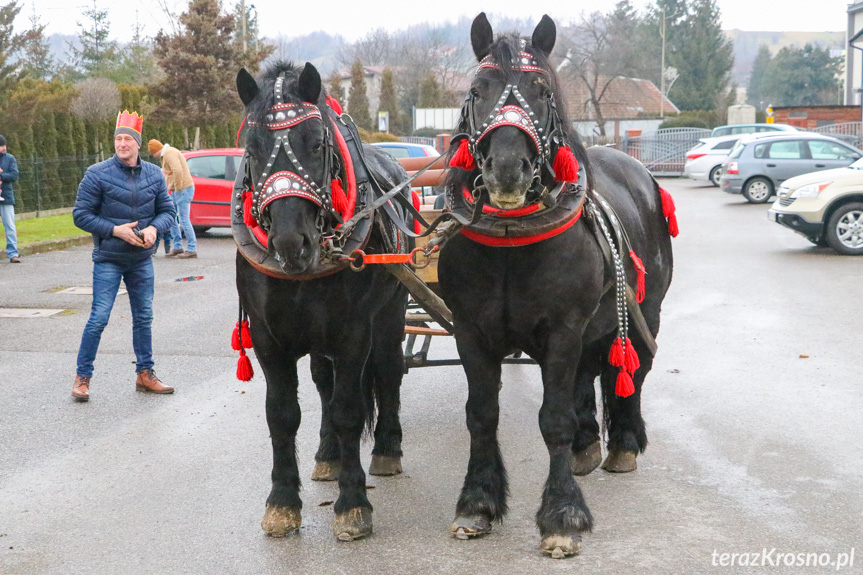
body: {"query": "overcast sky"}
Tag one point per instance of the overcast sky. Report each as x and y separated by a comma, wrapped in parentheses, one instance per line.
(356, 18)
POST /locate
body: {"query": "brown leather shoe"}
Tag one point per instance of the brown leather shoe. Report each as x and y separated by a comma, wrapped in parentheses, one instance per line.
(187, 255)
(173, 253)
(81, 388)
(147, 381)
(15, 260)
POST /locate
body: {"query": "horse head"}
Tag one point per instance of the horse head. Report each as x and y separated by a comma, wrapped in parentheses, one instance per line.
(293, 162)
(511, 124)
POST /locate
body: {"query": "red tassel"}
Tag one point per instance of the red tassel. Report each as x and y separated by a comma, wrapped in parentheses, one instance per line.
(616, 355)
(668, 210)
(244, 367)
(245, 335)
(236, 344)
(340, 200)
(462, 158)
(565, 165)
(631, 361)
(624, 386)
(639, 280)
(247, 210)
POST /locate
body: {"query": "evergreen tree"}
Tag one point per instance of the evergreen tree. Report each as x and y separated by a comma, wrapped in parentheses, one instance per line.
(802, 77)
(430, 93)
(756, 93)
(358, 100)
(137, 64)
(389, 102)
(98, 55)
(336, 90)
(200, 65)
(36, 54)
(12, 47)
(703, 58)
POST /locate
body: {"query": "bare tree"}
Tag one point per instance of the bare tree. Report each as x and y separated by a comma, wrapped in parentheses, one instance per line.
(374, 49)
(97, 99)
(598, 50)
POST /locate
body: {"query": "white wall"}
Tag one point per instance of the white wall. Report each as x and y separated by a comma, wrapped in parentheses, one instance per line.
(440, 118)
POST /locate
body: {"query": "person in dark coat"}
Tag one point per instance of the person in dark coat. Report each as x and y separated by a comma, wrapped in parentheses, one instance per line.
(8, 174)
(124, 203)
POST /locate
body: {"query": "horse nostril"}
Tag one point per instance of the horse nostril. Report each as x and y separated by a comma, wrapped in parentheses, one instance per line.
(525, 165)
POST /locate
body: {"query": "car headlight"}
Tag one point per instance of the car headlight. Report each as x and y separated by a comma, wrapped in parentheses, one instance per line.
(810, 191)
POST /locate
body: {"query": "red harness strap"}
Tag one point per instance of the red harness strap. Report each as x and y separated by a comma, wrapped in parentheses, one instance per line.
(496, 241)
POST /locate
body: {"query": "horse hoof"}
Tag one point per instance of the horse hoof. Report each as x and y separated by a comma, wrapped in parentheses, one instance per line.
(466, 527)
(326, 470)
(385, 465)
(586, 460)
(561, 546)
(280, 521)
(354, 524)
(620, 462)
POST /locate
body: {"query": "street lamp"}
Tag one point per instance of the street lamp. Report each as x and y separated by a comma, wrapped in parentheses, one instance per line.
(662, 88)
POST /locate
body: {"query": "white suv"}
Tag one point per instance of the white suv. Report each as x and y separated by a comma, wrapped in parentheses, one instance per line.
(704, 161)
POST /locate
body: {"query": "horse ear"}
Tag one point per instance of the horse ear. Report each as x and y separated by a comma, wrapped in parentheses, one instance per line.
(309, 84)
(544, 35)
(481, 36)
(247, 88)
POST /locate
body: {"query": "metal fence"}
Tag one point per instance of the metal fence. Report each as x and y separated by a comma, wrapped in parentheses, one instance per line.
(849, 132)
(663, 152)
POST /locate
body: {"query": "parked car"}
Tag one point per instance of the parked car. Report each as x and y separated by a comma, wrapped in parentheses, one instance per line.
(406, 150)
(759, 163)
(826, 207)
(740, 129)
(704, 161)
(213, 172)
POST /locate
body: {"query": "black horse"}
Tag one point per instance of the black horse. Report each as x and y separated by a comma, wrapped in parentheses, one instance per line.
(301, 184)
(559, 292)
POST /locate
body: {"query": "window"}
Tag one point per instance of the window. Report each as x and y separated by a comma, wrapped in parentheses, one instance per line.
(208, 167)
(792, 150)
(830, 151)
(397, 152)
(725, 145)
(759, 150)
(738, 149)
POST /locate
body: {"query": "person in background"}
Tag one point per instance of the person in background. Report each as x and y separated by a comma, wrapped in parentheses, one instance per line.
(8, 174)
(124, 203)
(182, 191)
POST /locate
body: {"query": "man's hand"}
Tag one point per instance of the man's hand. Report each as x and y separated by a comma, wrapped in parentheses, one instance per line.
(149, 236)
(125, 233)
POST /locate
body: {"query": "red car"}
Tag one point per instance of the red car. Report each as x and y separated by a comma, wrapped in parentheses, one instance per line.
(213, 172)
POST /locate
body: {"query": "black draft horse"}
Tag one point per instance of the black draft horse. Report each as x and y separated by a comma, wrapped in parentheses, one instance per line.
(555, 299)
(352, 324)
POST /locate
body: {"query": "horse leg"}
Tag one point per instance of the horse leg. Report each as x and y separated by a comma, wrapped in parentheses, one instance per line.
(586, 446)
(486, 486)
(386, 364)
(284, 508)
(349, 415)
(327, 458)
(563, 514)
(627, 436)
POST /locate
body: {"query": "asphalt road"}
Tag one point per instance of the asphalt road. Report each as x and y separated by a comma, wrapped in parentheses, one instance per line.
(753, 412)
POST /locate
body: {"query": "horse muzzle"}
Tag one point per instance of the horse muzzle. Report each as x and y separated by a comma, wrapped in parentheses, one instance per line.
(295, 254)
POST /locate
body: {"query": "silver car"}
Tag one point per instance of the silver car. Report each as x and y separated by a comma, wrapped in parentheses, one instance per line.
(759, 163)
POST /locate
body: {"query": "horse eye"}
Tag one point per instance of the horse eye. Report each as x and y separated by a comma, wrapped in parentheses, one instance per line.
(474, 92)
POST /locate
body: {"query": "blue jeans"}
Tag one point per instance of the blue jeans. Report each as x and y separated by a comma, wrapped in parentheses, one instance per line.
(7, 214)
(183, 204)
(139, 279)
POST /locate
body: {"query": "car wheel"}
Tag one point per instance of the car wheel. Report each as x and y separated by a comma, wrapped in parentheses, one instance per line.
(715, 174)
(845, 229)
(758, 190)
(200, 229)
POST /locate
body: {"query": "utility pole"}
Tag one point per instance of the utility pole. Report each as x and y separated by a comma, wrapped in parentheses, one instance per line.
(243, 10)
(662, 70)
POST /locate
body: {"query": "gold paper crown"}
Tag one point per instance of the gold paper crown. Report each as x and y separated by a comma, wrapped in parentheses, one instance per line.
(132, 121)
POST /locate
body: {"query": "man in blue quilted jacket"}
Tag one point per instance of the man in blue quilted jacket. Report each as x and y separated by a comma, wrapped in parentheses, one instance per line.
(124, 203)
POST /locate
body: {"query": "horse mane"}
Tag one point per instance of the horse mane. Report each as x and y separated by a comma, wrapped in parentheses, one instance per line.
(502, 52)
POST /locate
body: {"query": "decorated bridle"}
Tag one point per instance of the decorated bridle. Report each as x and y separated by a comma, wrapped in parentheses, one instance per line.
(271, 186)
(520, 115)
